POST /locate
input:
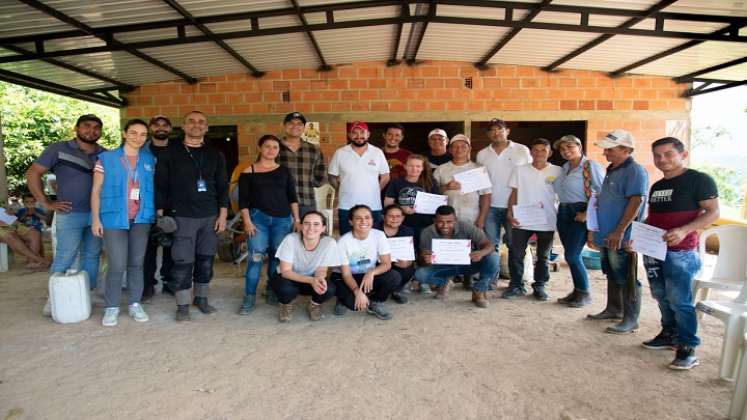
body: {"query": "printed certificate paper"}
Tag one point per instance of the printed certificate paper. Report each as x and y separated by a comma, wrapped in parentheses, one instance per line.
(530, 214)
(451, 251)
(473, 180)
(427, 203)
(592, 221)
(648, 240)
(403, 248)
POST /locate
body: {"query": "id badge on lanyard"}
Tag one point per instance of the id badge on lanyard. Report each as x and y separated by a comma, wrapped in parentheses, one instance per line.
(201, 185)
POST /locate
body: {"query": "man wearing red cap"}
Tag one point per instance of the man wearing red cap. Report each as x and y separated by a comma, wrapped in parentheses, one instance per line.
(359, 171)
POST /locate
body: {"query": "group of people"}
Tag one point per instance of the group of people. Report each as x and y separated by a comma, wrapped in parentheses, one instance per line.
(145, 187)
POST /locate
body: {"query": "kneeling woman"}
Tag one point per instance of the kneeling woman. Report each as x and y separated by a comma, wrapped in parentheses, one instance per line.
(391, 225)
(304, 260)
(122, 210)
(366, 278)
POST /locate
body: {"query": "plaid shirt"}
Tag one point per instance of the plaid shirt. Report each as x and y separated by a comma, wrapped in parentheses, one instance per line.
(308, 169)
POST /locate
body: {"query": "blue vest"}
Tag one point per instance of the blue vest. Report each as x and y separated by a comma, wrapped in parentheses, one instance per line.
(113, 208)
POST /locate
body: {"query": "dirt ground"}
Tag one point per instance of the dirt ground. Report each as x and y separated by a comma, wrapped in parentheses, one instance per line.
(517, 359)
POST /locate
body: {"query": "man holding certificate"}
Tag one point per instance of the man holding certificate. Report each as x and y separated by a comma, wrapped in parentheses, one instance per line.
(531, 211)
(682, 202)
(452, 247)
(620, 202)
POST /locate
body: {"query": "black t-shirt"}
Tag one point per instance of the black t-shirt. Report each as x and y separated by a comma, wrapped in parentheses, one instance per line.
(156, 150)
(674, 202)
(271, 192)
(437, 161)
(403, 192)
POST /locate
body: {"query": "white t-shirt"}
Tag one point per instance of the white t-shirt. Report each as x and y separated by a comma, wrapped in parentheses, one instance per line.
(363, 255)
(467, 206)
(292, 251)
(535, 186)
(359, 176)
(500, 168)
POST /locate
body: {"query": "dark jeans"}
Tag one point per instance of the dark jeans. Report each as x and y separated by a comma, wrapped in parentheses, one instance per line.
(195, 245)
(573, 236)
(405, 275)
(520, 239)
(439, 275)
(383, 286)
(344, 227)
(671, 285)
(150, 263)
(287, 290)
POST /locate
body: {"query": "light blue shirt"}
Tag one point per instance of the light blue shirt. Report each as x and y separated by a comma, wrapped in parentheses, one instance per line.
(570, 184)
(621, 183)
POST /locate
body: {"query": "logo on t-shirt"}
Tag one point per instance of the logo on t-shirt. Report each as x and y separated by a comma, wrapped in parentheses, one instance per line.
(371, 162)
(661, 196)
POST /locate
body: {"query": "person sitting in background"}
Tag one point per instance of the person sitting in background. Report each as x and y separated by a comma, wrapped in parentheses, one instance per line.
(305, 258)
(30, 215)
(393, 228)
(23, 240)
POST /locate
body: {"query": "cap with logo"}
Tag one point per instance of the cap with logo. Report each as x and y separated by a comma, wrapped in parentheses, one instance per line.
(159, 117)
(616, 138)
(294, 116)
(438, 131)
(460, 137)
(568, 138)
(358, 124)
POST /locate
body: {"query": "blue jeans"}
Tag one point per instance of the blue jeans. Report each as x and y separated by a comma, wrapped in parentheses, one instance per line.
(495, 220)
(671, 283)
(75, 239)
(615, 265)
(438, 275)
(270, 232)
(345, 223)
(573, 236)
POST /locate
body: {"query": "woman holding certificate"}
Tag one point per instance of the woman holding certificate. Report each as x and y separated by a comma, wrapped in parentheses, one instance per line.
(578, 180)
(365, 278)
(304, 259)
(404, 190)
(402, 244)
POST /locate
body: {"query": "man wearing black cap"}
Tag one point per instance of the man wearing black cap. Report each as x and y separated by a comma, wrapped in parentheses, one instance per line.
(72, 163)
(304, 160)
(160, 129)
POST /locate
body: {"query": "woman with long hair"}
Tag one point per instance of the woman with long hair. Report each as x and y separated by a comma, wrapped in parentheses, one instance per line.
(392, 226)
(269, 211)
(122, 210)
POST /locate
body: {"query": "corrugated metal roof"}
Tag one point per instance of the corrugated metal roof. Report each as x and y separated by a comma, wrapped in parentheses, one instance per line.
(199, 60)
(277, 52)
(462, 42)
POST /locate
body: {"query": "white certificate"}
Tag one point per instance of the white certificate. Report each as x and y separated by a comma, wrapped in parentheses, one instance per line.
(7, 218)
(473, 180)
(427, 203)
(592, 222)
(451, 251)
(530, 214)
(648, 240)
(403, 248)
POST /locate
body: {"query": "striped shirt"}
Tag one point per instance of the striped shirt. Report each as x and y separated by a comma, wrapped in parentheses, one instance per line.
(308, 169)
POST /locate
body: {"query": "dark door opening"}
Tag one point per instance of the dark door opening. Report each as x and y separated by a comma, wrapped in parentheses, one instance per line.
(525, 131)
(221, 137)
(416, 133)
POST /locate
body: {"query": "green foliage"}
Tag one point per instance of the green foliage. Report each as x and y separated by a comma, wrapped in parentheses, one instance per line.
(728, 182)
(32, 119)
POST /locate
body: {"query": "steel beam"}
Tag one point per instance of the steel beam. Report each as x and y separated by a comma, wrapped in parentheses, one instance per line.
(32, 82)
(690, 76)
(324, 66)
(700, 91)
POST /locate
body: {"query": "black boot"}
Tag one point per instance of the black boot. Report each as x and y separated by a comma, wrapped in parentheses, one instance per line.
(202, 304)
(182, 313)
(567, 298)
(631, 311)
(580, 300)
(613, 311)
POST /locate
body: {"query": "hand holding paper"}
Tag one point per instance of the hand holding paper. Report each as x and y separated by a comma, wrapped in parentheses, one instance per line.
(451, 251)
(529, 214)
(473, 180)
(648, 240)
(426, 203)
(402, 248)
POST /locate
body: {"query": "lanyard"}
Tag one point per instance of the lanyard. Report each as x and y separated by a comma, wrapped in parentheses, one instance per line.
(131, 173)
(198, 165)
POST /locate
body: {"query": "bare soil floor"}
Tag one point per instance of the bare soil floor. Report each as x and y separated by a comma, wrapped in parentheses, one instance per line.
(517, 359)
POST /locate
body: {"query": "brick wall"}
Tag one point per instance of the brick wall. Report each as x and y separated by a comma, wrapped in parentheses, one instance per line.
(649, 107)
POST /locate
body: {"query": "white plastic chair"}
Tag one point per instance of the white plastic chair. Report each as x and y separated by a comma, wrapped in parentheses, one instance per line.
(325, 199)
(730, 272)
(738, 408)
(3, 257)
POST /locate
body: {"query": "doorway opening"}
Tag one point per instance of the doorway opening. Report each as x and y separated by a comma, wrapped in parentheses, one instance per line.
(220, 137)
(416, 133)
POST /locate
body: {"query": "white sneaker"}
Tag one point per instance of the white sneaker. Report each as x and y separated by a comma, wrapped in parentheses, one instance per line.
(110, 317)
(138, 313)
(47, 311)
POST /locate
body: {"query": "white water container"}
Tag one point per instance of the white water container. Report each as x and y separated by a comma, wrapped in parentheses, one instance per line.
(70, 297)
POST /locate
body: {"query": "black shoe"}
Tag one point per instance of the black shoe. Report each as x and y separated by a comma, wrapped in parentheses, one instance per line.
(567, 298)
(540, 294)
(467, 282)
(399, 298)
(513, 291)
(148, 292)
(182, 313)
(167, 290)
(340, 308)
(202, 304)
(377, 309)
(580, 300)
(663, 341)
(685, 359)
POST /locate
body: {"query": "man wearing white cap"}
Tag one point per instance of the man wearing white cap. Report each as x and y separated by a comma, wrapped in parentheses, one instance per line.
(437, 142)
(620, 202)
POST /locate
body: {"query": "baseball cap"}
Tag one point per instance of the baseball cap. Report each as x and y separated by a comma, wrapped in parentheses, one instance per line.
(438, 131)
(89, 117)
(294, 115)
(159, 117)
(568, 138)
(460, 137)
(358, 124)
(616, 138)
(497, 121)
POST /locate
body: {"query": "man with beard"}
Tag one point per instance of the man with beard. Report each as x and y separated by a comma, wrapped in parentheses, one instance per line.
(160, 129)
(359, 171)
(191, 179)
(395, 155)
(72, 163)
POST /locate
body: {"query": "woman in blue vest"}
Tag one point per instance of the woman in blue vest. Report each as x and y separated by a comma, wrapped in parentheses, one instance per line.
(122, 210)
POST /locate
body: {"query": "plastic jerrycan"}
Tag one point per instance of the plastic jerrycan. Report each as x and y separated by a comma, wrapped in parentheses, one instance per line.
(69, 297)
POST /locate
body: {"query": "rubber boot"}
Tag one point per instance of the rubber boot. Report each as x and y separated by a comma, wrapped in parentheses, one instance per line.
(201, 300)
(631, 311)
(614, 308)
(580, 299)
(182, 313)
(247, 305)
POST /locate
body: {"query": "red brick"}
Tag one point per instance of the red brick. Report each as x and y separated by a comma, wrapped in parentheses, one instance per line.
(358, 84)
(366, 95)
(604, 105)
(216, 98)
(150, 89)
(341, 107)
(376, 84)
(349, 95)
(415, 83)
(338, 84)
(640, 105)
(322, 107)
(434, 83)
(207, 87)
(567, 82)
(331, 95)
(568, 104)
(281, 86)
(368, 72)
(529, 83)
(291, 74)
(379, 106)
(444, 94)
(436, 106)
(586, 105)
(224, 109)
(345, 72)
(417, 106)
(397, 106)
